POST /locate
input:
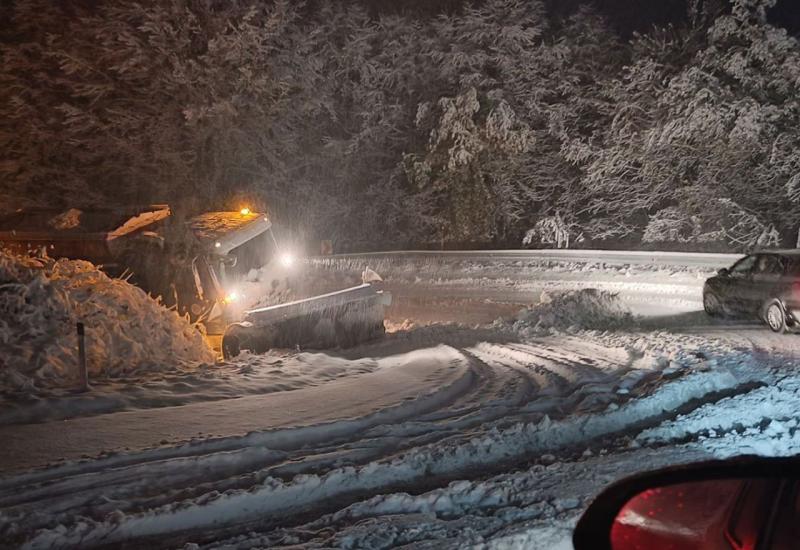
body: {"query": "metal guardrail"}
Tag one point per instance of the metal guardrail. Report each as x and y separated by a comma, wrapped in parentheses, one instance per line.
(611, 257)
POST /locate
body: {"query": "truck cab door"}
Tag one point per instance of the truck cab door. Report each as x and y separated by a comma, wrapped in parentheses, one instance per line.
(206, 284)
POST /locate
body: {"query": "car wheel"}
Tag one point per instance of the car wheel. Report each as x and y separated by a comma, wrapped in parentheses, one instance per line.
(712, 305)
(775, 317)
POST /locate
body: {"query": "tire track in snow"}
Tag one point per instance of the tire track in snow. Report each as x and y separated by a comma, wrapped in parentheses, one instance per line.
(231, 463)
(126, 475)
(280, 500)
(283, 440)
(227, 463)
(495, 418)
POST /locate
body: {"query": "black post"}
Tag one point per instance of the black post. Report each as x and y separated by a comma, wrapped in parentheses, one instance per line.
(83, 373)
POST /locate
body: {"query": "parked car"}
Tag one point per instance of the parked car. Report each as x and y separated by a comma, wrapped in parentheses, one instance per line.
(764, 285)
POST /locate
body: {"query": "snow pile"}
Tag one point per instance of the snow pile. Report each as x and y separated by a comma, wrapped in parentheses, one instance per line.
(587, 308)
(41, 300)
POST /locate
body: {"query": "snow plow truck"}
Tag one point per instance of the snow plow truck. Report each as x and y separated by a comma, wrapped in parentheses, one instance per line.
(226, 270)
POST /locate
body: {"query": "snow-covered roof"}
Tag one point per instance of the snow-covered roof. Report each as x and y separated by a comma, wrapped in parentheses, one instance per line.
(224, 231)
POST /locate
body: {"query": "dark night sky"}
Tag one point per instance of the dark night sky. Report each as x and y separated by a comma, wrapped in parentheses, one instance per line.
(787, 14)
(630, 15)
(625, 15)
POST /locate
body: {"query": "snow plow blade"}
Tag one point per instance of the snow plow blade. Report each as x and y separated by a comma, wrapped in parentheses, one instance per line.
(343, 318)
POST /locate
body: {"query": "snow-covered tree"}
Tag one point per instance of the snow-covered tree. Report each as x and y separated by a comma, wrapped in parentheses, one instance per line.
(381, 130)
(714, 138)
(168, 101)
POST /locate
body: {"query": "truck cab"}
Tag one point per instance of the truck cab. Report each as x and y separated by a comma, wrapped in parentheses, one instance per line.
(211, 266)
(239, 264)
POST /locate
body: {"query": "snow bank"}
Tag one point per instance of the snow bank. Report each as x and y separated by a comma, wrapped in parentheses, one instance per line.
(587, 308)
(41, 300)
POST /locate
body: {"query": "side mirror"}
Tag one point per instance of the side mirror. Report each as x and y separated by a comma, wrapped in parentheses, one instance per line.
(724, 272)
(747, 502)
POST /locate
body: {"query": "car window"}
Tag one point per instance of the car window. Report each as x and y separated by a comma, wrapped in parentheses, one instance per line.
(769, 264)
(793, 266)
(743, 266)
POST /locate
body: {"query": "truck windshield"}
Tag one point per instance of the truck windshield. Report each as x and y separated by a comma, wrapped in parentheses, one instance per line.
(253, 254)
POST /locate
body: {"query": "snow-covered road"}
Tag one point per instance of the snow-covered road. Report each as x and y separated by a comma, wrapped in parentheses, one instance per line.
(492, 433)
(399, 386)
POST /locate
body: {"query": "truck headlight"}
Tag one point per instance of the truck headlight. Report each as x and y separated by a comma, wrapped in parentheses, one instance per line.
(287, 259)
